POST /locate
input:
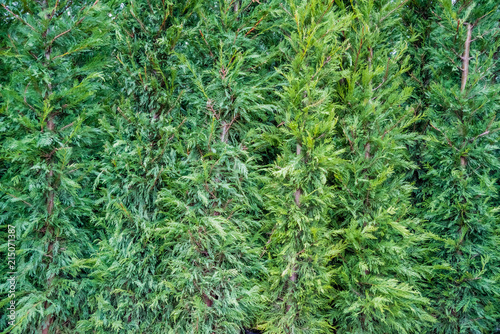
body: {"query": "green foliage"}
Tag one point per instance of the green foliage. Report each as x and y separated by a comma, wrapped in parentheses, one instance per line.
(48, 141)
(460, 159)
(321, 166)
(373, 234)
(298, 195)
(180, 189)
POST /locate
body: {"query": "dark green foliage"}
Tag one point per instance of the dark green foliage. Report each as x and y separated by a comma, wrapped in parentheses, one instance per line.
(374, 275)
(48, 136)
(211, 200)
(460, 159)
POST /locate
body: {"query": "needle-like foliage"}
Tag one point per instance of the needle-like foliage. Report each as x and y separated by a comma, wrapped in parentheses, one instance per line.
(49, 139)
(456, 50)
(298, 194)
(373, 232)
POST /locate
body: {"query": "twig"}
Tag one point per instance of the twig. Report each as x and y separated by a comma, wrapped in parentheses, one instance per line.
(392, 11)
(394, 125)
(466, 58)
(156, 179)
(255, 25)
(209, 48)
(359, 50)
(121, 112)
(28, 204)
(25, 100)
(385, 75)
(20, 19)
(67, 126)
(449, 142)
(281, 5)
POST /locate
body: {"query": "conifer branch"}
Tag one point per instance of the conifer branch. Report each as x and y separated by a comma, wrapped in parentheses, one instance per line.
(449, 141)
(359, 50)
(466, 58)
(392, 11)
(121, 113)
(255, 25)
(281, 5)
(393, 126)
(13, 196)
(26, 101)
(67, 31)
(385, 75)
(138, 20)
(20, 19)
(209, 48)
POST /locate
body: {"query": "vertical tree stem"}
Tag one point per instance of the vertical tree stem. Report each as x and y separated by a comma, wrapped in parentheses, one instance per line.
(465, 58)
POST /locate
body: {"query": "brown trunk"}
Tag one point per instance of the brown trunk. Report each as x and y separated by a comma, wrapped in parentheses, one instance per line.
(297, 197)
(466, 58)
(293, 278)
(225, 130)
(209, 302)
(45, 330)
(298, 192)
(463, 161)
(367, 151)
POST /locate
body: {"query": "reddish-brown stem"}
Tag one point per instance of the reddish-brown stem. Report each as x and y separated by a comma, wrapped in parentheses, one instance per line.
(367, 151)
(20, 19)
(466, 57)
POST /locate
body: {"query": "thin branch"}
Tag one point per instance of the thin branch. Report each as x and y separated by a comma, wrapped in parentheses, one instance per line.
(121, 112)
(392, 11)
(359, 50)
(20, 19)
(385, 75)
(466, 57)
(67, 126)
(65, 32)
(25, 100)
(393, 126)
(255, 25)
(449, 141)
(281, 5)
(28, 204)
(156, 179)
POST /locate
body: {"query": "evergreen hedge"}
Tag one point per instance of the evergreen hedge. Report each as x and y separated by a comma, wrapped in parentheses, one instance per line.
(250, 166)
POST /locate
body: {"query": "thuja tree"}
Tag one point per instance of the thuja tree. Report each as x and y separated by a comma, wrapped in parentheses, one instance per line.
(211, 201)
(178, 182)
(48, 141)
(131, 291)
(374, 277)
(460, 156)
(298, 195)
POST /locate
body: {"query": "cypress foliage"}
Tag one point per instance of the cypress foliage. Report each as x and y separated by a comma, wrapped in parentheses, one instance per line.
(214, 166)
(179, 185)
(211, 196)
(48, 138)
(374, 277)
(460, 158)
(131, 292)
(298, 195)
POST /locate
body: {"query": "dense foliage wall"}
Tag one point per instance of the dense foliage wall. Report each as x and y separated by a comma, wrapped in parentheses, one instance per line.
(258, 166)
(456, 54)
(51, 103)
